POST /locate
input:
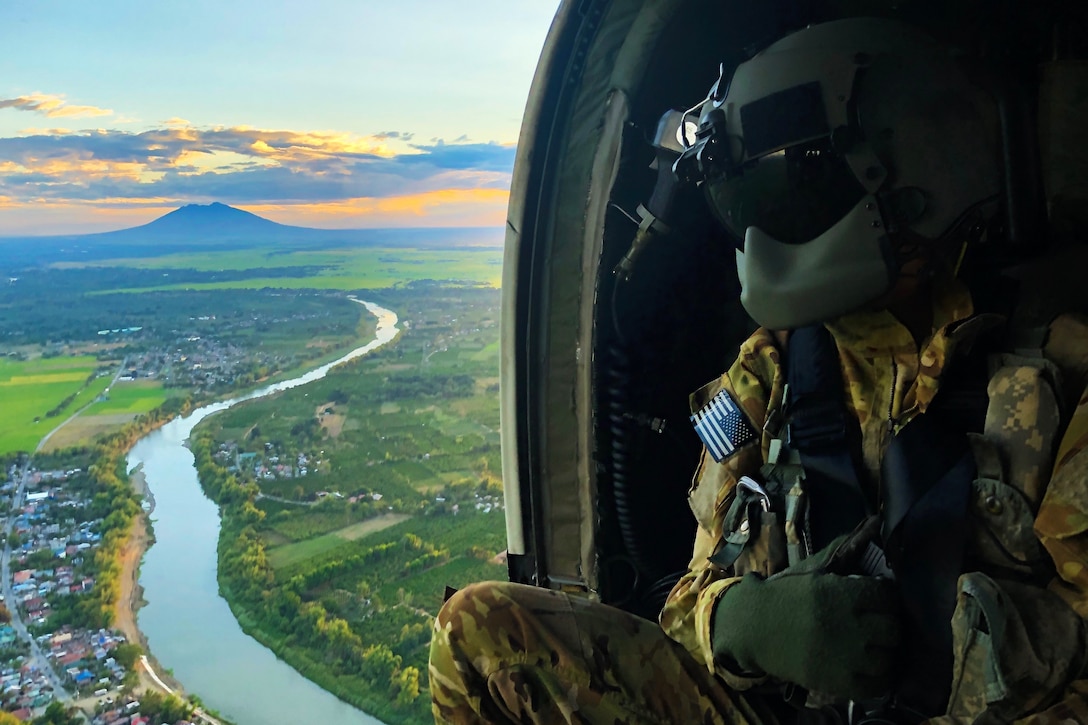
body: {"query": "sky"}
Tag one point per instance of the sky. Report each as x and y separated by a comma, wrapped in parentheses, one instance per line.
(324, 113)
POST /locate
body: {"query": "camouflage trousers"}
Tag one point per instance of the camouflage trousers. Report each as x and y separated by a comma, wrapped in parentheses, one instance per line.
(506, 652)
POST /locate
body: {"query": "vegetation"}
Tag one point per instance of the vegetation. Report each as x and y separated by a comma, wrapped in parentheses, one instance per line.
(139, 350)
(164, 708)
(36, 393)
(341, 570)
(332, 269)
(56, 714)
(130, 397)
(393, 487)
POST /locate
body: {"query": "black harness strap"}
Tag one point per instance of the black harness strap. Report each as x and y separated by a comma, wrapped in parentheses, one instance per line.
(927, 474)
(826, 436)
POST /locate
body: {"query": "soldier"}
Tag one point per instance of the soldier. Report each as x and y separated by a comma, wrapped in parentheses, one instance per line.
(892, 522)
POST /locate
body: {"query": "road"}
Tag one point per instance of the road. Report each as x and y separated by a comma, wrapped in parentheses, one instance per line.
(154, 676)
(37, 657)
(75, 415)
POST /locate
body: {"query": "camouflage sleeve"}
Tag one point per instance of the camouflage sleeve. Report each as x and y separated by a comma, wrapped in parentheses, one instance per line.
(1062, 521)
(1062, 527)
(753, 382)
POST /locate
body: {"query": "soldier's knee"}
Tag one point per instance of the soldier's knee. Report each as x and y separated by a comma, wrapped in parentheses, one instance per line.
(469, 606)
(462, 629)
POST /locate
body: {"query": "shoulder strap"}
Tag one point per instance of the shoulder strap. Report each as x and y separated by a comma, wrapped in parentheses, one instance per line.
(926, 477)
(825, 435)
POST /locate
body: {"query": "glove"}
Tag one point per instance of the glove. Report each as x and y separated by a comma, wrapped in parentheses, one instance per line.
(831, 634)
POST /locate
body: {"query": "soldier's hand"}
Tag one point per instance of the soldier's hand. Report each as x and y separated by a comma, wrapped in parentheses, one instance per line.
(828, 633)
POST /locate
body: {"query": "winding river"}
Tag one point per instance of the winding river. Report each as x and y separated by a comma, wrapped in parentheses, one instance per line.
(189, 627)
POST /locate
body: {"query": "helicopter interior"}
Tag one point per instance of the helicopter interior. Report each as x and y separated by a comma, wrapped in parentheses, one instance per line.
(603, 342)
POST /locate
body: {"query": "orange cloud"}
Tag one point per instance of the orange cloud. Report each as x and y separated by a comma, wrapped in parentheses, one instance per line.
(45, 131)
(444, 207)
(64, 168)
(52, 106)
(286, 146)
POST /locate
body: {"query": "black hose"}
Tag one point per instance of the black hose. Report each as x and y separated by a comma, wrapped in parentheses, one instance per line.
(658, 592)
(622, 448)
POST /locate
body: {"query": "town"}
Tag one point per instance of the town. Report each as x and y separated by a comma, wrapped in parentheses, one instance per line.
(48, 654)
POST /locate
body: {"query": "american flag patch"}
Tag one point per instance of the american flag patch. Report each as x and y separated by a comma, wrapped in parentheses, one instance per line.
(722, 426)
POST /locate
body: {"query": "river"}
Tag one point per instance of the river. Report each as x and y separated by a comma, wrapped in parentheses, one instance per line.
(189, 627)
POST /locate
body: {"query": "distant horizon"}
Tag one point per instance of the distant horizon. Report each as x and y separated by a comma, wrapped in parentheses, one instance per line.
(169, 210)
(348, 116)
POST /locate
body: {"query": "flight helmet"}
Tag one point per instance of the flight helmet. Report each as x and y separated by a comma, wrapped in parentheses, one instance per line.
(836, 154)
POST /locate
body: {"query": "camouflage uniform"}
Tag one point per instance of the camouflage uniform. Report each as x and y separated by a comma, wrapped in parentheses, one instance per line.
(501, 651)
(505, 652)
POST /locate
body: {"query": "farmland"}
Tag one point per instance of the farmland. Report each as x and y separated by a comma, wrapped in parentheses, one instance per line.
(39, 394)
(336, 269)
(130, 397)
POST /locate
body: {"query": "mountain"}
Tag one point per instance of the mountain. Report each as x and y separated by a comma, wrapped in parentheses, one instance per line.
(215, 219)
(201, 226)
(215, 222)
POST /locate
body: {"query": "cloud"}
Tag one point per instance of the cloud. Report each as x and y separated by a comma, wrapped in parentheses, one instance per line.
(447, 207)
(52, 106)
(32, 131)
(381, 175)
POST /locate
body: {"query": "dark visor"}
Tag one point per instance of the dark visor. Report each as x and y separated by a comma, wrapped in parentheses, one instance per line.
(793, 195)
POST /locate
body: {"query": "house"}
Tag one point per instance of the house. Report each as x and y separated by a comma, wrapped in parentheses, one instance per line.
(70, 659)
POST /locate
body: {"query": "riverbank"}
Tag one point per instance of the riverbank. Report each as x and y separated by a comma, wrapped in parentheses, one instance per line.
(152, 675)
(128, 604)
(353, 612)
(185, 618)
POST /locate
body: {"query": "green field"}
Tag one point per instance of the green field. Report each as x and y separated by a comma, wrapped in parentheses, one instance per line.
(328, 270)
(29, 390)
(134, 397)
(289, 554)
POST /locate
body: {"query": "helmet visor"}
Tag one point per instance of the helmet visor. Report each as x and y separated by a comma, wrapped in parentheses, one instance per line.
(793, 195)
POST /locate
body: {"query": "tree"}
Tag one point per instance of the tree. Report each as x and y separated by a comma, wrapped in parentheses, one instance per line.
(126, 654)
(379, 664)
(406, 684)
(55, 714)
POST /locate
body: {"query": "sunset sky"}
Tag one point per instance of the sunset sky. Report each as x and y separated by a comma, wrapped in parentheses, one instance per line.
(328, 113)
